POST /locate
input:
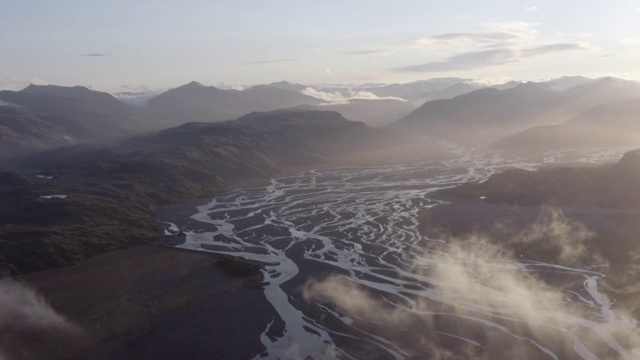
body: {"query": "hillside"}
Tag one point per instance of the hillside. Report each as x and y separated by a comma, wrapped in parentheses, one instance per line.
(110, 192)
(610, 186)
(45, 117)
(195, 102)
(613, 124)
(482, 115)
(490, 115)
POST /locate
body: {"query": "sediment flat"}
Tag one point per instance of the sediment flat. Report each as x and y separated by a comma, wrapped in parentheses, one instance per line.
(155, 302)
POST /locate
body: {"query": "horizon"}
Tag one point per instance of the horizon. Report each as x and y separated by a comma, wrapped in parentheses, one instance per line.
(242, 87)
(120, 46)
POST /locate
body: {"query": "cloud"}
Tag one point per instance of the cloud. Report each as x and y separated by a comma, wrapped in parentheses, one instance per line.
(630, 41)
(475, 37)
(14, 83)
(496, 34)
(29, 327)
(276, 61)
(531, 8)
(492, 57)
(346, 95)
(327, 70)
(465, 61)
(94, 55)
(365, 51)
(474, 288)
(499, 42)
(6, 103)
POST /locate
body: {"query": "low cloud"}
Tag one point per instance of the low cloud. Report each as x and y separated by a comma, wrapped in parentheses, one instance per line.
(345, 95)
(94, 55)
(475, 291)
(14, 83)
(10, 104)
(531, 8)
(29, 327)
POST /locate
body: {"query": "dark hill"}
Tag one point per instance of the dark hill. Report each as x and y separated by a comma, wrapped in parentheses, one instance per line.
(52, 116)
(112, 190)
(610, 186)
(195, 102)
(77, 92)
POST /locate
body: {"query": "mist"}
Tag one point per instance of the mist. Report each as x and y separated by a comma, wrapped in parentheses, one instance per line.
(480, 301)
(29, 327)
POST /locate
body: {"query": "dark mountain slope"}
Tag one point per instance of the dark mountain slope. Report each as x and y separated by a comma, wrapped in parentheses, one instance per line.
(22, 132)
(112, 191)
(46, 117)
(613, 124)
(610, 186)
(195, 102)
(481, 116)
(76, 92)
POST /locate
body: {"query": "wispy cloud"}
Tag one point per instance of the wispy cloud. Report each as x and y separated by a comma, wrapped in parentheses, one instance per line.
(15, 83)
(94, 55)
(275, 61)
(499, 43)
(630, 41)
(365, 51)
(531, 8)
(493, 57)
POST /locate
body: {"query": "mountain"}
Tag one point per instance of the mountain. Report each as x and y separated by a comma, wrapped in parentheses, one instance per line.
(480, 116)
(285, 85)
(416, 92)
(613, 124)
(609, 186)
(195, 102)
(371, 112)
(565, 83)
(43, 117)
(22, 132)
(76, 92)
(490, 115)
(111, 191)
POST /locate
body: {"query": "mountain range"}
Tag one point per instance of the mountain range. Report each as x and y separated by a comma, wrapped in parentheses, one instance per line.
(487, 116)
(516, 116)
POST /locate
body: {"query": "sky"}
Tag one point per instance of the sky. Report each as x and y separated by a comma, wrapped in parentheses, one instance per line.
(117, 45)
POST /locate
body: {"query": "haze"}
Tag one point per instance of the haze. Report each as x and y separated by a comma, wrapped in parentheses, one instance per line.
(118, 45)
(380, 180)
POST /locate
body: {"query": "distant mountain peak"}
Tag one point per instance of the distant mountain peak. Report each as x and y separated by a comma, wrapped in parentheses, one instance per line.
(195, 83)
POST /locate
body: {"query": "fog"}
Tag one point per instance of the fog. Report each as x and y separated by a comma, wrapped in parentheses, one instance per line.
(479, 292)
(29, 327)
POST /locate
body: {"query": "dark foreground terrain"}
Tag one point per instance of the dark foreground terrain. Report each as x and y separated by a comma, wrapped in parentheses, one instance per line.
(153, 302)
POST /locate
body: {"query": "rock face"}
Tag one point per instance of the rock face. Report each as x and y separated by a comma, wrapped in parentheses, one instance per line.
(612, 186)
(112, 191)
